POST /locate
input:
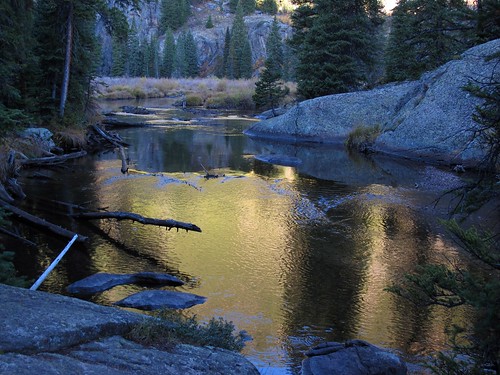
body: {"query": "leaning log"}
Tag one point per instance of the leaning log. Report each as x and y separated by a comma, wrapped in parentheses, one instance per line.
(168, 223)
(39, 222)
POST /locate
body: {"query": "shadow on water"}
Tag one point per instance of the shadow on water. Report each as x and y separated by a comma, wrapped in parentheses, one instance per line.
(295, 254)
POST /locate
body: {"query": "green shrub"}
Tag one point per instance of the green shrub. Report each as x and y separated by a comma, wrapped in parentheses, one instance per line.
(362, 137)
(193, 100)
(170, 327)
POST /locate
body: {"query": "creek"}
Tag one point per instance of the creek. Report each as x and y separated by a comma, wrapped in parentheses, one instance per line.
(297, 243)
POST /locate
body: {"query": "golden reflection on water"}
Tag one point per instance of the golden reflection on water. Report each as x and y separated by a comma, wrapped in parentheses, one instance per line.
(265, 263)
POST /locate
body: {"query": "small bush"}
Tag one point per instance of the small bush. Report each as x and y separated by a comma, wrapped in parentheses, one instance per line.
(362, 137)
(193, 100)
(138, 92)
(171, 327)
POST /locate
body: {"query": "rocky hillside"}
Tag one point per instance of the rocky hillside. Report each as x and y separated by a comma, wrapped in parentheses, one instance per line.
(429, 119)
(210, 42)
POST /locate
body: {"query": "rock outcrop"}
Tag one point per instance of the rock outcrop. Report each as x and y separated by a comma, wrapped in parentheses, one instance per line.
(160, 299)
(355, 357)
(430, 118)
(102, 281)
(52, 334)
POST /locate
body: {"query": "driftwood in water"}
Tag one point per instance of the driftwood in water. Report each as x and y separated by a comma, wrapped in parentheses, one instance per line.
(168, 223)
(113, 138)
(39, 222)
(17, 237)
(52, 160)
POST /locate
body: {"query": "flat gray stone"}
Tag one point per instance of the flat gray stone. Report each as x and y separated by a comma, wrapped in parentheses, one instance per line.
(159, 299)
(33, 321)
(355, 357)
(100, 282)
(116, 355)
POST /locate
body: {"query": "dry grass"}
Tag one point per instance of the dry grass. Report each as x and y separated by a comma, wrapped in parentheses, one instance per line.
(208, 92)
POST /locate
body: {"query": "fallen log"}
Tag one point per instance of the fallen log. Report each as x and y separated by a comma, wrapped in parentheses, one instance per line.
(52, 160)
(17, 237)
(111, 138)
(168, 223)
(56, 229)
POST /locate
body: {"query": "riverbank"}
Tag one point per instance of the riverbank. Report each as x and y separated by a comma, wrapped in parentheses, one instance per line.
(211, 93)
(53, 334)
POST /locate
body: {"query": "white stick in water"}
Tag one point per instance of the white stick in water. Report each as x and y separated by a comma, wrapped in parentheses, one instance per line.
(53, 264)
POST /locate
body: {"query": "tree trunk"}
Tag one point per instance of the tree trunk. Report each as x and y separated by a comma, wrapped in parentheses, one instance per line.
(67, 61)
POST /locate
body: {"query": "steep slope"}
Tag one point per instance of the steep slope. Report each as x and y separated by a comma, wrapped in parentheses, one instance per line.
(210, 42)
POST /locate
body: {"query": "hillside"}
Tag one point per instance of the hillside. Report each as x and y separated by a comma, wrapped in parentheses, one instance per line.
(210, 42)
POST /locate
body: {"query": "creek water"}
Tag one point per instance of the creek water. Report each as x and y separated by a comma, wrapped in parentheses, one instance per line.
(294, 254)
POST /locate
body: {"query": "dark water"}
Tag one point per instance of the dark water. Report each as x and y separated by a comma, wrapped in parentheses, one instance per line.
(293, 255)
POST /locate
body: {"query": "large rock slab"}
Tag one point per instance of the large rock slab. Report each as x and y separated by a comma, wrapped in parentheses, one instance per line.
(355, 357)
(429, 119)
(33, 321)
(160, 299)
(100, 282)
(116, 355)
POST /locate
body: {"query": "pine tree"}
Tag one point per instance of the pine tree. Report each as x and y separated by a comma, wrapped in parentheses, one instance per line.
(240, 53)
(190, 56)
(226, 66)
(336, 45)
(426, 34)
(135, 58)
(180, 57)
(17, 61)
(274, 48)
(269, 6)
(209, 24)
(248, 6)
(174, 13)
(233, 5)
(168, 55)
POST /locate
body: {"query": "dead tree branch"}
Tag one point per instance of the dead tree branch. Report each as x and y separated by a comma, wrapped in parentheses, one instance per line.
(168, 223)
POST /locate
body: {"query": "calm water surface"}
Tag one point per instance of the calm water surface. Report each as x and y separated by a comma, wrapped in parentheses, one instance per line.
(294, 255)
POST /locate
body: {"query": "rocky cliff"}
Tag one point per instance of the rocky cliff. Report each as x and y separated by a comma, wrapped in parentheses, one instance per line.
(430, 118)
(210, 42)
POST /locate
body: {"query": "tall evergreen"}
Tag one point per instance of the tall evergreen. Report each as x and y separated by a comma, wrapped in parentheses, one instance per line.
(269, 6)
(274, 48)
(240, 53)
(426, 34)
(135, 59)
(336, 43)
(17, 61)
(248, 6)
(174, 13)
(168, 55)
(119, 29)
(225, 65)
(190, 56)
(180, 57)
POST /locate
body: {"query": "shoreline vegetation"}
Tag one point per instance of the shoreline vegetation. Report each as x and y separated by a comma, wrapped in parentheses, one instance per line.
(211, 93)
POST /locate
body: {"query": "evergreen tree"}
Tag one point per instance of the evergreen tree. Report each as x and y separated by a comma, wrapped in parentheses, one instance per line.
(248, 6)
(233, 5)
(274, 48)
(336, 42)
(180, 57)
(17, 61)
(240, 53)
(426, 34)
(226, 66)
(174, 13)
(168, 55)
(488, 20)
(269, 6)
(190, 56)
(209, 24)
(118, 28)
(135, 57)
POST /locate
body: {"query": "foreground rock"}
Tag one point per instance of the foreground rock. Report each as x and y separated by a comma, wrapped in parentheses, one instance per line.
(116, 355)
(430, 118)
(100, 282)
(51, 334)
(160, 299)
(355, 357)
